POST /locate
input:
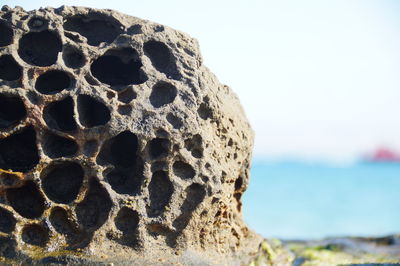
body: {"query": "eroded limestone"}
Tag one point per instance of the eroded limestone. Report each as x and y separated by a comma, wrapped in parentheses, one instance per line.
(117, 144)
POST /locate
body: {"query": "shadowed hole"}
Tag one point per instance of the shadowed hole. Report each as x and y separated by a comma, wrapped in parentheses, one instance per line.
(8, 247)
(61, 182)
(162, 59)
(73, 58)
(239, 184)
(19, 152)
(97, 28)
(10, 179)
(121, 150)
(125, 109)
(26, 200)
(35, 234)
(60, 115)
(162, 94)
(9, 68)
(72, 36)
(127, 220)
(160, 190)
(12, 110)
(126, 181)
(183, 170)
(127, 96)
(64, 224)
(158, 148)
(40, 48)
(7, 221)
(175, 121)
(134, 29)
(194, 145)
(52, 82)
(118, 67)
(238, 196)
(6, 34)
(37, 23)
(92, 112)
(93, 211)
(59, 219)
(195, 194)
(204, 111)
(56, 146)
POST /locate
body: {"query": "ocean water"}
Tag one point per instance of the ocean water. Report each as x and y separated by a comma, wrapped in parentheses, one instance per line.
(297, 200)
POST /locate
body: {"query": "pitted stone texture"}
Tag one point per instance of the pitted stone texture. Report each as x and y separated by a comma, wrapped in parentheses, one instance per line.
(116, 144)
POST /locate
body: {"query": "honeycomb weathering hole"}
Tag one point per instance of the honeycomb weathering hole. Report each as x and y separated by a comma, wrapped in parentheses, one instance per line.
(126, 181)
(194, 145)
(73, 57)
(19, 152)
(62, 181)
(37, 23)
(97, 28)
(239, 183)
(10, 179)
(204, 111)
(92, 112)
(9, 68)
(183, 170)
(160, 190)
(35, 234)
(52, 82)
(26, 200)
(93, 211)
(7, 221)
(195, 194)
(40, 48)
(175, 121)
(118, 67)
(162, 94)
(56, 146)
(158, 147)
(12, 110)
(60, 221)
(162, 58)
(60, 115)
(127, 96)
(6, 34)
(127, 220)
(121, 150)
(125, 109)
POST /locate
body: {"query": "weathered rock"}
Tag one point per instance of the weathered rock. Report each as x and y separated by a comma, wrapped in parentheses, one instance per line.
(344, 251)
(349, 251)
(116, 144)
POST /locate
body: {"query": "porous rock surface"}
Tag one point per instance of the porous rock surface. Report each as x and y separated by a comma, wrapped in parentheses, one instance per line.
(116, 144)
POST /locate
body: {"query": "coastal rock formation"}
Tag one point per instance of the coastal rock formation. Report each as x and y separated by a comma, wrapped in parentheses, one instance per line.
(117, 145)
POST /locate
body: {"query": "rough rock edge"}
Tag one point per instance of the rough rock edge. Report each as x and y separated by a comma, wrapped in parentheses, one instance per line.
(202, 84)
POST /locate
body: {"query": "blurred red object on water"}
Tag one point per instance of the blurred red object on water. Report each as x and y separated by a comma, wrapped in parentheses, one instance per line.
(384, 155)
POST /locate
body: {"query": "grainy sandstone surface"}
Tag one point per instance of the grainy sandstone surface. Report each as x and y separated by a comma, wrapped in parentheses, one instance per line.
(117, 145)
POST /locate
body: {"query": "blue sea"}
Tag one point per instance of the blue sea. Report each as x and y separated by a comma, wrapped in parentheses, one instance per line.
(303, 200)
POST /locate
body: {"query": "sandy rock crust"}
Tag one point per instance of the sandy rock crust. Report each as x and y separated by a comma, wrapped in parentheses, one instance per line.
(117, 145)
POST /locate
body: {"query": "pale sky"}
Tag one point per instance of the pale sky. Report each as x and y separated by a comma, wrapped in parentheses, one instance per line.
(318, 79)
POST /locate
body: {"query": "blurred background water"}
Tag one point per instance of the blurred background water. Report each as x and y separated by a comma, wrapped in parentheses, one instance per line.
(305, 200)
